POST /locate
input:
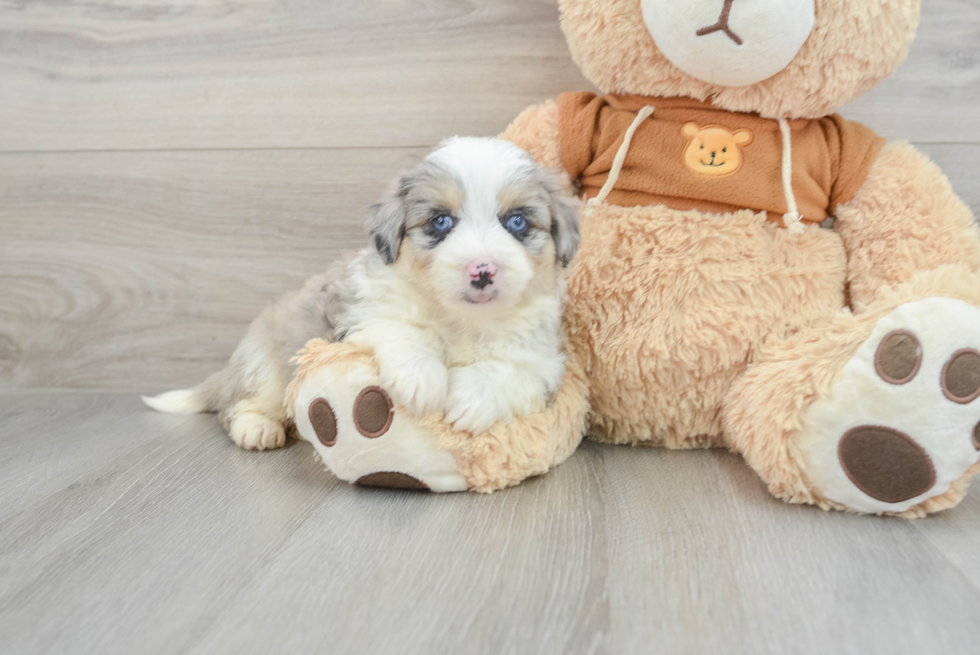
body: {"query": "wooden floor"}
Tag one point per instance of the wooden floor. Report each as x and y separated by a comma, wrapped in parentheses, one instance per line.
(169, 166)
(125, 531)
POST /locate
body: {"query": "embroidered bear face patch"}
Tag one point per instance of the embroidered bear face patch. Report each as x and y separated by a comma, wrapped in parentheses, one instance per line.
(714, 150)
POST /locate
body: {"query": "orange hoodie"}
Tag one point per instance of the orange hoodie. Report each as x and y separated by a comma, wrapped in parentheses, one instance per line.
(692, 155)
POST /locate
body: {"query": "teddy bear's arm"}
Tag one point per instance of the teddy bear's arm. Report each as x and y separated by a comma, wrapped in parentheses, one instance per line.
(509, 453)
(904, 219)
(536, 130)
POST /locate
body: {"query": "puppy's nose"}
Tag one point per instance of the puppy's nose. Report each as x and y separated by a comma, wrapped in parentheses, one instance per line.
(481, 274)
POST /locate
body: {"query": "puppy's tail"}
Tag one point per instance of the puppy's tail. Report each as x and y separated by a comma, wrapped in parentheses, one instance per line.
(202, 398)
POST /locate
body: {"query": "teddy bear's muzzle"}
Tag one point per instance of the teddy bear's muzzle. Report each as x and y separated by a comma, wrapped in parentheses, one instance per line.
(730, 42)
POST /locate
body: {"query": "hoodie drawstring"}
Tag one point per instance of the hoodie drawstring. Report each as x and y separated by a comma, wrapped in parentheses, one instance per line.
(617, 166)
(791, 219)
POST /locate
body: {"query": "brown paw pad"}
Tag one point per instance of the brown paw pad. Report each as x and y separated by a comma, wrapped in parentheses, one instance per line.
(373, 412)
(885, 463)
(324, 421)
(391, 480)
(899, 357)
(976, 437)
(961, 376)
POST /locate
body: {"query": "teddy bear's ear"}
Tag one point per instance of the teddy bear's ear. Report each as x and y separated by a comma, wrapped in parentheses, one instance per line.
(691, 130)
(386, 222)
(743, 137)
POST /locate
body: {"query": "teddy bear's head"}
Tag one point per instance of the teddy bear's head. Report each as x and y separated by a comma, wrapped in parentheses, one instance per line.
(780, 58)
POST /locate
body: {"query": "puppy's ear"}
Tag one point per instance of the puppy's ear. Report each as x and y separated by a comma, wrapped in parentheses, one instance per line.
(386, 223)
(564, 222)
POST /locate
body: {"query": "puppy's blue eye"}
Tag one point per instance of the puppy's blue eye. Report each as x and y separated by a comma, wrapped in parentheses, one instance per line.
(443, 223)
(517, 223)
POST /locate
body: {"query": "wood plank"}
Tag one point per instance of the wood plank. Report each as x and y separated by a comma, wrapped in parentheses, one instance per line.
(163, 551)
(264, 74)
(933, 98)
(123, 270)
(51, 439)
(951, 533)
(713, 564)
(138, 553)
(520, 571)
(187, 544)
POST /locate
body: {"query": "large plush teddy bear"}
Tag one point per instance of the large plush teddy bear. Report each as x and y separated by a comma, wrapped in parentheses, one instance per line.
(711, 303)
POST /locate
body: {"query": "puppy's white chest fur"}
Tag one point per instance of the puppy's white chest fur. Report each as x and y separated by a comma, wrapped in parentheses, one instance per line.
(479, 368)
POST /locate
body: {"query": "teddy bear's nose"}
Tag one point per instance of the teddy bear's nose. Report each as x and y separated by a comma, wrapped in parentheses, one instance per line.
(713, 153)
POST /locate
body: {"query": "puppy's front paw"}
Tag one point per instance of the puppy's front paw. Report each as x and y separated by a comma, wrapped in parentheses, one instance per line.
(254, 431)
(473, 406)
(419, 385)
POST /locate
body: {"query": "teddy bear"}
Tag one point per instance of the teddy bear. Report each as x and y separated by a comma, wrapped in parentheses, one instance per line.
(756, 272)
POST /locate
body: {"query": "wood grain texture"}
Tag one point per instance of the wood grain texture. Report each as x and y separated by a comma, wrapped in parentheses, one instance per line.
(348, 73)
(145, 268)
(122, 270)
(167, 167)
(771, 577)
(268, 74)
(154, 534)
(933, 98)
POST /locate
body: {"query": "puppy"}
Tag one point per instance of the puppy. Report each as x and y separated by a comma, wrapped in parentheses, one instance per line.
(460, 298)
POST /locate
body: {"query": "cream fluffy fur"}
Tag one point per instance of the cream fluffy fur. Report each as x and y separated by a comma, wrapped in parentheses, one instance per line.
(687, 329)
(718, 330)
(462, 319)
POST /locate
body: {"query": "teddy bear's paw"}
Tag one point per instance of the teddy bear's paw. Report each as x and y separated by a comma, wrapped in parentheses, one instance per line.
(363, 438)
(903, 421)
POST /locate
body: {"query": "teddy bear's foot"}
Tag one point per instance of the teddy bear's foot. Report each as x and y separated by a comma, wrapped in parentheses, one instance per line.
(362, 438)
(902, 423)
